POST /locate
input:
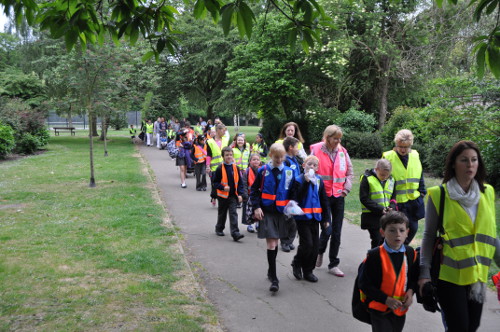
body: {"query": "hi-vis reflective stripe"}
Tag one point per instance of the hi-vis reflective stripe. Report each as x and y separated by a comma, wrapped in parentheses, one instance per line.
(282, 203)
(268, 196)
(379, 200)
(410, 180)
(469, 239)
(485, 239)
(312, 210)
(402, 192)
(331, 178)
(461, 264)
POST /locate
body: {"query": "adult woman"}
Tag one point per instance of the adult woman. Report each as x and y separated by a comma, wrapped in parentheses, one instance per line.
(335, 168)
(292, 129)
(183, 159)
(409, 179)
(469, 237)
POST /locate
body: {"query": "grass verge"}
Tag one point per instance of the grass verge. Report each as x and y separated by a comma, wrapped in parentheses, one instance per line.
(76, 258)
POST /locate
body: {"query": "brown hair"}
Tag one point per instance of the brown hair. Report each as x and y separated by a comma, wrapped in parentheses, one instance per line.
(297, 134)
(394, 217)
(458, 148)
(226, 149)
(290, 141)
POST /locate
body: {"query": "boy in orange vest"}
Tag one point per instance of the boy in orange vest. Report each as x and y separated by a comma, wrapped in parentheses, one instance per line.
(388, 277)
(229, 187)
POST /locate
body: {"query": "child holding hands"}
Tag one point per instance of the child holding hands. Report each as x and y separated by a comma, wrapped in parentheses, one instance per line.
(310, 194)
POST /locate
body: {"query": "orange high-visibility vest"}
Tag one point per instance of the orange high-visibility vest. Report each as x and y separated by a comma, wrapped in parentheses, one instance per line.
(225, 182)
(199, 153)
(333, 174)
(393, 285)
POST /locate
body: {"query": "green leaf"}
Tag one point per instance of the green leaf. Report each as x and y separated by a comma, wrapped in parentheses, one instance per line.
(241, 24)
(248, 18)
(439, 3)
(480, 59)
(199, 8)
(227, 13)
(147, 56)
(134, 34)
(70, 39)
(491, 7)
(493, 60)
(160, 45)
(479, 9)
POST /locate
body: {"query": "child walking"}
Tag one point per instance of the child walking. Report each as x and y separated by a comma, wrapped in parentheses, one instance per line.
(229, 188)
(251, 174)
(199, 154)
(377, 196)
(388, 277)
(309, 192)
(269, 195)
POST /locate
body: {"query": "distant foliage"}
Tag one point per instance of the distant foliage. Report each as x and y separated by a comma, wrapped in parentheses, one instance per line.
(356, 120)
(7, 142)
(317, 120)
(363, 144)
(435, 152)
(27, 144)
(119, 121)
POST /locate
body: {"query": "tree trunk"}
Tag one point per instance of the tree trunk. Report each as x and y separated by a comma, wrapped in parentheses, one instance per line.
(91, 140)
(93, 125)
(104, 134)
(383, 90)
(210, 111)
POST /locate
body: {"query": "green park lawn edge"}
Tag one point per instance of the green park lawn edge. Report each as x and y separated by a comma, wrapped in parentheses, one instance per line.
(75, 258)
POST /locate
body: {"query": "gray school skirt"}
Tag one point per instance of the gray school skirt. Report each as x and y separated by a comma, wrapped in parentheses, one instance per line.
(273, 226)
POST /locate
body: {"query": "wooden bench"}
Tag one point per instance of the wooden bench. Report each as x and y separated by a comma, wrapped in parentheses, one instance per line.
(59, 129)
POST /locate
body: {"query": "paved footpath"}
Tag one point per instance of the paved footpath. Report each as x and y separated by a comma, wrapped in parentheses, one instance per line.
(234, 273)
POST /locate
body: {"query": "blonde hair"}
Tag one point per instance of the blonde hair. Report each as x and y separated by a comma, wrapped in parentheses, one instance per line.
(383, 165)
(276, 148)
(404, 136)
(311, 157)
(332, 130)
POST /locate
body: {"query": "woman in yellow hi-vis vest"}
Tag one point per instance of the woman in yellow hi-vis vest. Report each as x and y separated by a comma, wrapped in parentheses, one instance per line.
(409, 179)
(470, 240)
(214, 147)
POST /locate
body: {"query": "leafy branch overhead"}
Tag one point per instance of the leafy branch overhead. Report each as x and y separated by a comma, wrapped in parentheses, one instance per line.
(88, 21)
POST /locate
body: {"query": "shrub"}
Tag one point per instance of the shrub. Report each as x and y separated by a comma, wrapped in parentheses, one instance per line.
(27, 144)
(401, 118)
(119, 121)
(362, 144)
(435, 153)
(6, 140)
(356, 120)
(318, 118)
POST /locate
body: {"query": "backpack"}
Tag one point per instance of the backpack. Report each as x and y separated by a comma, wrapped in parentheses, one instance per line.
(172, 149)
(360, 308)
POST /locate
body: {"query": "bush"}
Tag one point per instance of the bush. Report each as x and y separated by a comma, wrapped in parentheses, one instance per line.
(318, 119)
(119, 121)
(356, 120)
(363, 144)
(435, 152)
(7, 142)
(27, 144)
(401, 118)
(490, 151)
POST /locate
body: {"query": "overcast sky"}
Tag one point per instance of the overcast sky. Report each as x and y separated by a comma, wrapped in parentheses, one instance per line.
(3, 19)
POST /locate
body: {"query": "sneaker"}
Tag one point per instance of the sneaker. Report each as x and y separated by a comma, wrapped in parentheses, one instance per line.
(336, 272)
(285, 247)
(274, 286)
(250, 229)
(183, 185)
(319, 260)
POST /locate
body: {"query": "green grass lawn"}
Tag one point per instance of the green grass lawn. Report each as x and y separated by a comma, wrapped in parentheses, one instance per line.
(75, 258)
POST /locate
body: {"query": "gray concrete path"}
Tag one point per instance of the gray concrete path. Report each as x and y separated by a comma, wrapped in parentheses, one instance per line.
(234, 273)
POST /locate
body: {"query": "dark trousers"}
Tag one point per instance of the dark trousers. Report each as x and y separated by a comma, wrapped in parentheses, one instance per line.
(411, 210)
(308, 245)
(227, 205)
(375, 236)
(213, 191)
(201, 176)
(460, 313)
(292, 232)
(333, 232)
(382, 322)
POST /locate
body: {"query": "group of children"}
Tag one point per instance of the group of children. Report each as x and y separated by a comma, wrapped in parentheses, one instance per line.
(387, 280)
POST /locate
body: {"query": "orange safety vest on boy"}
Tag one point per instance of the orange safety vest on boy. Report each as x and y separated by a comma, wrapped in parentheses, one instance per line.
(199, 153)
(225, 182)
(393, 285)
(333, 177)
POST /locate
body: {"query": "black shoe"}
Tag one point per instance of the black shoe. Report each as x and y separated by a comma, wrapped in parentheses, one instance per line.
(219, 233)
(238, 236)
(204, 189)
(297, 271)
(198, 189)
(274, 286)
(291, 246)
(285, 247)
(311, 277)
